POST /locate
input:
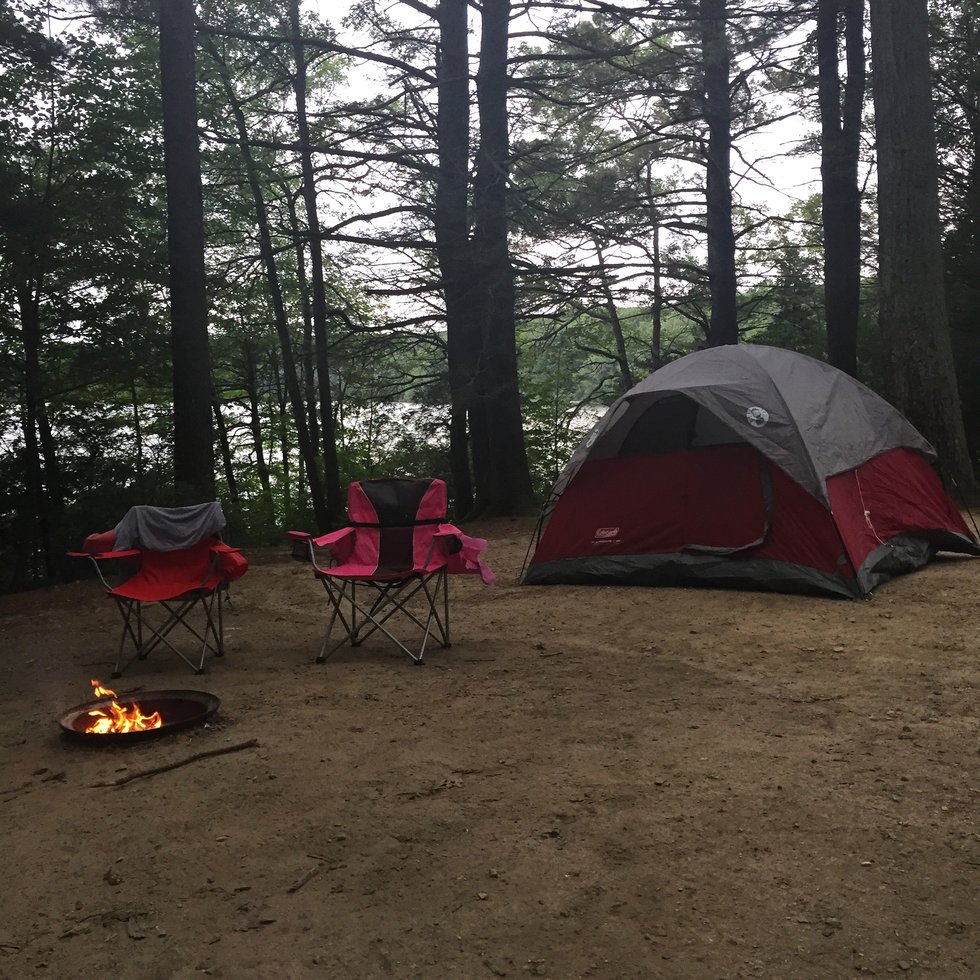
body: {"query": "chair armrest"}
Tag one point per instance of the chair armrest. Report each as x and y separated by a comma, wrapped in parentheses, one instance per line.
(100, 542)
(335, 541)
(229, 561)
(464, 552)
(224, 549)
(96, 557)
(302, 549)
(333, 538)
(451, 536)
(324, 541)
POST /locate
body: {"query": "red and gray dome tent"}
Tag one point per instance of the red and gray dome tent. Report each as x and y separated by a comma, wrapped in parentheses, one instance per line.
(752, 467)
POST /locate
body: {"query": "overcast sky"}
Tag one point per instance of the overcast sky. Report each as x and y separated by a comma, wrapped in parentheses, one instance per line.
(779, 183)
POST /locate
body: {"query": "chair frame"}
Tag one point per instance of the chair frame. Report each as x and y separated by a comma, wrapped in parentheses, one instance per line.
(178, 608)
(389, 597)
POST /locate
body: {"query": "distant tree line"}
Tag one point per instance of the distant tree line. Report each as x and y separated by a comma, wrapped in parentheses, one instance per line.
(229, 265)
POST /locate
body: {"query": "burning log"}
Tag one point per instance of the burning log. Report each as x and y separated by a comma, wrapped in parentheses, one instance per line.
(117, 719)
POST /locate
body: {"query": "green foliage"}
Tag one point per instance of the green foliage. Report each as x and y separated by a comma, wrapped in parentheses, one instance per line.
(392, 405)
(394, 439)
(81, 236)
(568, 378)
(787, 308)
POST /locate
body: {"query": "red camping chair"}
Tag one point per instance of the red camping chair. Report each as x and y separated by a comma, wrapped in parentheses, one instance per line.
(399, 549)
(174, 557)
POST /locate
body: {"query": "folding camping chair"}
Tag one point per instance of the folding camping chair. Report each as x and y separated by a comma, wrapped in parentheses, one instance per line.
(399, 550)
(173, 557)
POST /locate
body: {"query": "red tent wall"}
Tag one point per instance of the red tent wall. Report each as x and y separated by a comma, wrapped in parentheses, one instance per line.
(698, 499)
(901, 493)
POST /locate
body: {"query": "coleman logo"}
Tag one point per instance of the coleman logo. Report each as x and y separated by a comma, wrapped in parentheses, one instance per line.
(756, 416)
(606, 533)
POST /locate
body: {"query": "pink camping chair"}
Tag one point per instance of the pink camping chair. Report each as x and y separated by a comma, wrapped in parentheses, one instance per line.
(173, 557)
(398, 549)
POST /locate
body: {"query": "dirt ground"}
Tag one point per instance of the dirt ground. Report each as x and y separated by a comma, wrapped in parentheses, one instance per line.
(592, 782)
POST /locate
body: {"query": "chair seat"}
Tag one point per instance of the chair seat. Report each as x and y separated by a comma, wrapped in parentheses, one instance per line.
(164, 575)
(147, 592)
(354, 570)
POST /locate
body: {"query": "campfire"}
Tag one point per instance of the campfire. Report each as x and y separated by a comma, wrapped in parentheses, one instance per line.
(112, 718)
(116, 719)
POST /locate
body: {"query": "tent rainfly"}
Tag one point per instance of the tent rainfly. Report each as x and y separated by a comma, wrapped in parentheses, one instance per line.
(752, 467)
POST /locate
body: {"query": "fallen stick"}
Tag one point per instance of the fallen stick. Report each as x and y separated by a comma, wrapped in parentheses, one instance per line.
(303, 879)
(13, 791)
(122, 780)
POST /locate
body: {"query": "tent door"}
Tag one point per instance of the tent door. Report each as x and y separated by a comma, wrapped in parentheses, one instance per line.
(727, 501)
(716, 500)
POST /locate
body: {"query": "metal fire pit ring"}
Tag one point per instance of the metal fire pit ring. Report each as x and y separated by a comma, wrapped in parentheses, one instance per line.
(179, 709)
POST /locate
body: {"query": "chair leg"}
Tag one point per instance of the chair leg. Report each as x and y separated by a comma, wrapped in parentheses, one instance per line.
(337, 599)
(445, 598)
(373, 616)
(442, 582)
(323, 654)
(133, 623)
(126, 609)
(207, 604)
(220, 635)
(391, 597)
(355, 640)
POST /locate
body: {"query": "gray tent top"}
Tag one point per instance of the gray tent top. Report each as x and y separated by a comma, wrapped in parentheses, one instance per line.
(807, 417)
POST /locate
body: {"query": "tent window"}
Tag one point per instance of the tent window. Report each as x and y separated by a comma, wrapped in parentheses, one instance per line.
(665, 427)
(673, 424)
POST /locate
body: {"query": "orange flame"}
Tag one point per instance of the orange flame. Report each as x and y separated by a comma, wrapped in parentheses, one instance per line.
(118, 718)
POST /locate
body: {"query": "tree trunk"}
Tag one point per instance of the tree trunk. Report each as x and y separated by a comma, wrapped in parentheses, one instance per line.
(306, 308)
(281, 416)
(290, 374)
(37, 524)
(506, 487)
(840, 128)
(962, 247)
(622, 358)
(226, 457)
(137, 432)
(42, 509)
(657, 310)
(914, 326)
(193, 439)
(255, 421)
(722, 279)
(328, 442)
(452, 239)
